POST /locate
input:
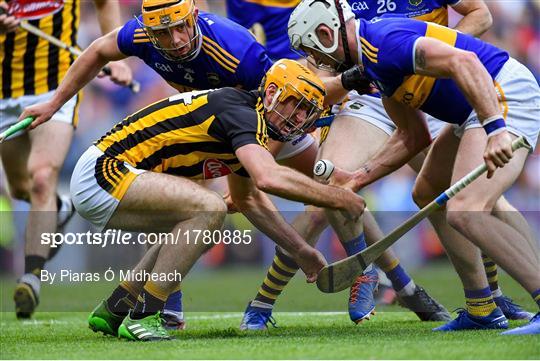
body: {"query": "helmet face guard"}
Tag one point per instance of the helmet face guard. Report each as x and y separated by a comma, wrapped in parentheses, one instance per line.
(297, 102)
(161, 18)
(295, 118)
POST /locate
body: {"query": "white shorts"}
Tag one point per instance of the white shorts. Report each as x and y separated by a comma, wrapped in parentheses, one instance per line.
(519, 98)
(98, 183)
(11, 109)
(371, 110)
(295, 146)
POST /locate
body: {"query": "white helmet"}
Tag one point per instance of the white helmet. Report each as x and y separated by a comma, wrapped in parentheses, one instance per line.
(308, 15)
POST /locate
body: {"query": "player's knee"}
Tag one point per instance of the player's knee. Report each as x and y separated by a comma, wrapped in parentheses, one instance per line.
(458, 219)
(214, 210)
(462, 211)
(43, 182)
(502, 205)
(422, 193)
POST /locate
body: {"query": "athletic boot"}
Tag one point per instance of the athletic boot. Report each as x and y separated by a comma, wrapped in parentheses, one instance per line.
(361, 300)
(103, 320)
(26, 295)
(511, 310)
(465, 321)
(257, 318)
(425, 307)
(146, 329)
(532, 328)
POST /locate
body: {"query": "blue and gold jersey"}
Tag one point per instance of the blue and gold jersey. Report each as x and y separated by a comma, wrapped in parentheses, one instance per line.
(229, 56)
(435, 11)
(273, 15)
(388, 46)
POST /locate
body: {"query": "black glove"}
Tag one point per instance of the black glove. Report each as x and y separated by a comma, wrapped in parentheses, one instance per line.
(356, 79)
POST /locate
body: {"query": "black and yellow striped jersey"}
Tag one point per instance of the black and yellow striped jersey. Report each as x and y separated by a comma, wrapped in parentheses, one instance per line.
(33, 66)
(193, 135)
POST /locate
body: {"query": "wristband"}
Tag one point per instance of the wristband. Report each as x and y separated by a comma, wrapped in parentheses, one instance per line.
(494, 125)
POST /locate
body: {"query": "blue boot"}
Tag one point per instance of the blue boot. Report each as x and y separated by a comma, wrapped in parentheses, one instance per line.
(257, 318)
(465, 321)
(532, 328)
(361, 300)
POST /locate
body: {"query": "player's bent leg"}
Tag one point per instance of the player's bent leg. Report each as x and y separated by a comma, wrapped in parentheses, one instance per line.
(351, 135)
(48, 150)
(14, 153)
(511, 216)
(309, 224)
(433, 178)
(145, 202)
(409, 295)
(470, 212)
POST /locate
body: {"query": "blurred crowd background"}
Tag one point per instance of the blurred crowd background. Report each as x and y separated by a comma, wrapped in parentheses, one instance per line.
(516, 28)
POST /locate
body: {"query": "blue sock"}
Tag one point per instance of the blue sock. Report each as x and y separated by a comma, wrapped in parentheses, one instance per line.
(355, 245)
(398, 277)
(536, 296)
(174, 302)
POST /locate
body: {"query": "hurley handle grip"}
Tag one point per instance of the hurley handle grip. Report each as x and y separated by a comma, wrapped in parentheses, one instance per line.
(23, 124)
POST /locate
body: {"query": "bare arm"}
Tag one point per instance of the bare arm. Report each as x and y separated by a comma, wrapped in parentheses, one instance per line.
(476, 17)
(108, 13)
(409, 139)
(84, 69)
(260, 210)
(437, 59)
(335, 93)
(285, 182)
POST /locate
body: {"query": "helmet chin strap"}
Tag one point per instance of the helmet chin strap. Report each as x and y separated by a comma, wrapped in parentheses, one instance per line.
(348, 63)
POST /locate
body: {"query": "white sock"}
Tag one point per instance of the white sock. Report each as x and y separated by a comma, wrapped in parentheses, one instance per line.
(497, 292)
(32, 280)
(260, 304)
(408, 290)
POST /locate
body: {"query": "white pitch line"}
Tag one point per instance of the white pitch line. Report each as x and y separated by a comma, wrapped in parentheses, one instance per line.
(39, 322)
(192, 316)
(222, 315)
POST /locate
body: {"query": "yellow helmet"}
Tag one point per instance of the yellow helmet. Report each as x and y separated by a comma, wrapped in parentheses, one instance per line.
(293, 80)
(159, 17)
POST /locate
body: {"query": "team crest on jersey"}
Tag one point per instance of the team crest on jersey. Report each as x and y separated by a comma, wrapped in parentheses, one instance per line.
(213, 79)
(214, 168)
(356, 105)
(415, 2)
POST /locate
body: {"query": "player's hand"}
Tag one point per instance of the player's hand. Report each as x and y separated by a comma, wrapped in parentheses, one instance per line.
(120, 73)
(498, 152)
(310, 261)
(8, 23)
(41, 113)
(354, 206)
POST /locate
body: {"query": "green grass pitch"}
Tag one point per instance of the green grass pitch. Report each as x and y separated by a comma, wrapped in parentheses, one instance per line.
(311, 325)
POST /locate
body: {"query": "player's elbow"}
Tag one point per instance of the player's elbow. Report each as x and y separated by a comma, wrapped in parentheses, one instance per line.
(464, 62)
(266, 183)
(486, 21)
